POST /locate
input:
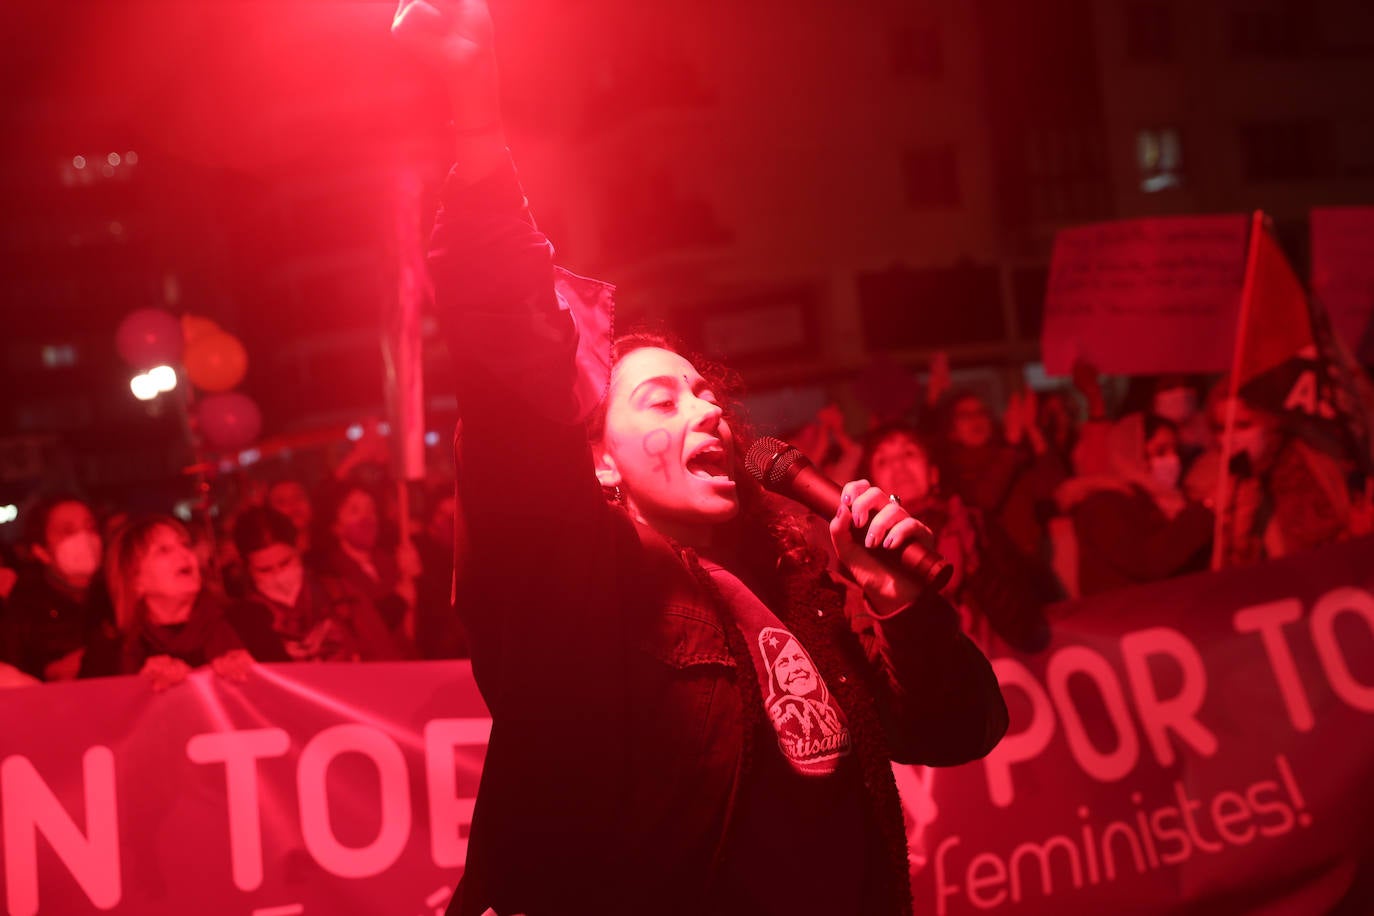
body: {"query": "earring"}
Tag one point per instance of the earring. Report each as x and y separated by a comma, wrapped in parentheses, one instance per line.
(614, 494)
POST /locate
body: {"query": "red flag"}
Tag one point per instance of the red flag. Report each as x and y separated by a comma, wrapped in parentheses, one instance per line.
(1289, 363)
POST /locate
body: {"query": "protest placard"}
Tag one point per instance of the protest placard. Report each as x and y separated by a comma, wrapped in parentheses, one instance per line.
(1145, 296)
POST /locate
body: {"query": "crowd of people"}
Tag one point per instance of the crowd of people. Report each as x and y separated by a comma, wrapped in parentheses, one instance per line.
(289, 573)
(1058, 497)
(1071, 493)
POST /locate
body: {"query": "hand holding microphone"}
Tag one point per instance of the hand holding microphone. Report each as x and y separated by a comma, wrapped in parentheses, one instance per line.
(892, 541)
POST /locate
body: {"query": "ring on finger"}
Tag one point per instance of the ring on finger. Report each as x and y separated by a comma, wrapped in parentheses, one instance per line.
(893, 497)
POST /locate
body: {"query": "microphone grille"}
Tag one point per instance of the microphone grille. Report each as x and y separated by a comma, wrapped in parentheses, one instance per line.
(769, 460)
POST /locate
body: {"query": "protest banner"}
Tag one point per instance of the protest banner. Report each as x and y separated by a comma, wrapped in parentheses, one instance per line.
(309, 789)
(1145, 296)
(1202, 744)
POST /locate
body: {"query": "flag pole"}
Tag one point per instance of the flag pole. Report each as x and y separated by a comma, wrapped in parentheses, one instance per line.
(1224, 521)
(402, 351)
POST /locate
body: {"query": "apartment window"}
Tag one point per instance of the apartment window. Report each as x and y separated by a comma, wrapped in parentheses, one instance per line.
(1159, 159)
(1355, 149)
(1149, 31)
(1065, 174)
(931, 176)
(1276, 29)
(1283, 150)
(904, 308)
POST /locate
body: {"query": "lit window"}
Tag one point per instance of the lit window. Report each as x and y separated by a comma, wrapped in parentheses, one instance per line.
(1159, 158)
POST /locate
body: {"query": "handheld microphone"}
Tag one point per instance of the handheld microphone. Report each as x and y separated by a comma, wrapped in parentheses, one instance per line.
(784, 470)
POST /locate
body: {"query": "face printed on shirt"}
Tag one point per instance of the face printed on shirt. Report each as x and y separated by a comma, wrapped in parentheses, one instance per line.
(812, 731)
(793, 671)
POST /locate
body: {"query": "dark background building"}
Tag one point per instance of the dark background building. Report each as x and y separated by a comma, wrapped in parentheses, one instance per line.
(800, 189)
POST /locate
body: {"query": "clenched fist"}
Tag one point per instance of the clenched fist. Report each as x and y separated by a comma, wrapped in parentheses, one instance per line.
(455, 38)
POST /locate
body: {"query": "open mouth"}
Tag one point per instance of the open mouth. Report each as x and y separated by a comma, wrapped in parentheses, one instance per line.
(709, 463)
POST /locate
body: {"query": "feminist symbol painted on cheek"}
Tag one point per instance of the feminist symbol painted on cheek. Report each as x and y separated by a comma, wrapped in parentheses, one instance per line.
(656, 444)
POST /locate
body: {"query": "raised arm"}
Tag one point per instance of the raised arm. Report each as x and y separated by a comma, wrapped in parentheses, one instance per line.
(455, 38)
(527, 488)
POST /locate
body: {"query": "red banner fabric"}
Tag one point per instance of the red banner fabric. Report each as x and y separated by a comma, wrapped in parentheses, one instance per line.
(309, 789)
(1199, 745)
(1203, 744)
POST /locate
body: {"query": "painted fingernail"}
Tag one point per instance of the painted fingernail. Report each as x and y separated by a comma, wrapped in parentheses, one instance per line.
(846, 499)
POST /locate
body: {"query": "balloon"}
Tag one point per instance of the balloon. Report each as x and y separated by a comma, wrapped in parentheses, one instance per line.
(229, 421)
(149, 337)
(194, 327)
(215, 361)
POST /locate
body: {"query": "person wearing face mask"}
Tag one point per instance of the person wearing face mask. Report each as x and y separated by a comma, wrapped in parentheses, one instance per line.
(295, 614)
(1133, 522)
(58, 604)
(169, 623)
(352, 551)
